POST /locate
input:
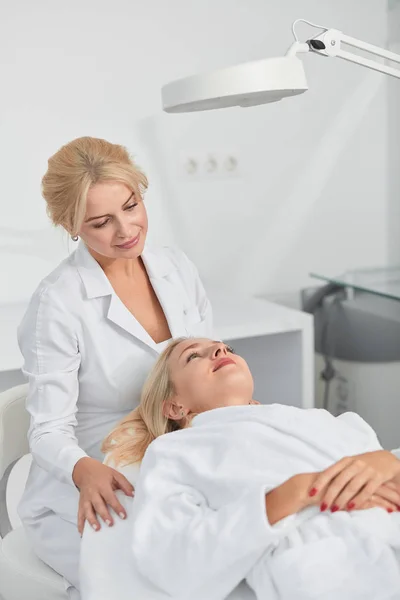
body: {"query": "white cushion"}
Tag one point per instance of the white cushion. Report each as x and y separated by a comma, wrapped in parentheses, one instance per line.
(23, 576)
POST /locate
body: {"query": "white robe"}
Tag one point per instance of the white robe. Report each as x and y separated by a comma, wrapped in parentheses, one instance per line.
(200, 524)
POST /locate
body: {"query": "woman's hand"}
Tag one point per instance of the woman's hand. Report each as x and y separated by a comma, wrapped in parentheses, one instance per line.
(97, 484)
(352, 482)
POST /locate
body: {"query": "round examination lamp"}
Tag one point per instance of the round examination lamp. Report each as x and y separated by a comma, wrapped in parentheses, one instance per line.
(272, 79)
(249, 84)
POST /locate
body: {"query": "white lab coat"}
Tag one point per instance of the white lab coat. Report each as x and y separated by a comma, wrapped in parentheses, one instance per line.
(199, 524)
(86, 358)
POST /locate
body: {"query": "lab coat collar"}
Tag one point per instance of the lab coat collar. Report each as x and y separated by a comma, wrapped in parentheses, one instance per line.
(92, 275)
(158, 267)
(95, 280)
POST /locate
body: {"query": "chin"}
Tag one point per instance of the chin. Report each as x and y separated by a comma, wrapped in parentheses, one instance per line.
(128, 254)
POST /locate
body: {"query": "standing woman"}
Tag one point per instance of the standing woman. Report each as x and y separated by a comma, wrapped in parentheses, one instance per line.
(92, 331)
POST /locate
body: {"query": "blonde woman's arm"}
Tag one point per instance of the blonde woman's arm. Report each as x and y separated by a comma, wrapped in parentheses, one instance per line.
(49, 344)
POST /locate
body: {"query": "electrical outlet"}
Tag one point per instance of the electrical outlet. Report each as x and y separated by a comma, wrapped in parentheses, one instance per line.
(209, 166)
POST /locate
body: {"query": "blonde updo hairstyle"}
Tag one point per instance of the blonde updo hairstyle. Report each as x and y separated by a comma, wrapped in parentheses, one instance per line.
(75, 168)
(129, 440)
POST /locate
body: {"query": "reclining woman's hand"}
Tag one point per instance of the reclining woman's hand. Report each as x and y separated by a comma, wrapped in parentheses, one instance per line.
(357, 481)
(97, 484)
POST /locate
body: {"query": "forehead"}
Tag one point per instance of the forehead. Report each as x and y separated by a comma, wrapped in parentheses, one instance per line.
(110, 193)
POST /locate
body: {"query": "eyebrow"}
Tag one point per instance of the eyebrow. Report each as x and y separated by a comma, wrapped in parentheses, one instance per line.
(102, 216)
(196, 344)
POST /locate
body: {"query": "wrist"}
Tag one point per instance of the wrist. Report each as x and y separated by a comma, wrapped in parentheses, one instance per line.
(287, 499)
(396, 478)
(300, 488)
(79, 470)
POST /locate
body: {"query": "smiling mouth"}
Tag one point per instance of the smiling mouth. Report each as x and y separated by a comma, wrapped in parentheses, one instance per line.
(130, 243)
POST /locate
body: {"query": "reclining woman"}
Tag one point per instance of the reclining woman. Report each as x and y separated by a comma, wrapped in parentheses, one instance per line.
(270, 494)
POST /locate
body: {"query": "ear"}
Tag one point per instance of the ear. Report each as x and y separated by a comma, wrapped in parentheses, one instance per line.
(172, 410)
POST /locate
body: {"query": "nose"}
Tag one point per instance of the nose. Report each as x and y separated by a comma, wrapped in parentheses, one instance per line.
(219, 350)
(123, 229)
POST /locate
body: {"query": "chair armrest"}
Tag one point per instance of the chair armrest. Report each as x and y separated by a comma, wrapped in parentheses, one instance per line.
(14, 424)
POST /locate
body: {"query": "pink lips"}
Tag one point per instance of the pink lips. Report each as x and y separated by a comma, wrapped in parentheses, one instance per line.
(129, 244)
(222, 362)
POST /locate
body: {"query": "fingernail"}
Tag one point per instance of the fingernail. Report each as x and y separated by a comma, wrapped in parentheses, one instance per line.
(350, 505)
(121, 514)
(95, 527)
(108, 522)
(390, 510)
(313, 491)
(334, 508)
(324, 506)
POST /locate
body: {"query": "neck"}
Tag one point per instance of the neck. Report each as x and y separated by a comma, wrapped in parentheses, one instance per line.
(223, 403)
(129, 268)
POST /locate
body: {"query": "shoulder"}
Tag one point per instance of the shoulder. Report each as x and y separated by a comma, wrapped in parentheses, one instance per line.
(61, 284)
(168, 446)
(55, 293)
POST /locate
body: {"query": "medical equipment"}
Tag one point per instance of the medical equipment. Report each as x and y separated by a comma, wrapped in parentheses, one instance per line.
(269, 80)
(357, 333)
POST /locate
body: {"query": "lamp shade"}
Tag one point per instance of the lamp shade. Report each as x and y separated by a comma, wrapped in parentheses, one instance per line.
(248, 84)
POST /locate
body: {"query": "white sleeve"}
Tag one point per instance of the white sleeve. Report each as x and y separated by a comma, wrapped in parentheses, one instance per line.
(355, 420)
(51, 361)
(181, 544)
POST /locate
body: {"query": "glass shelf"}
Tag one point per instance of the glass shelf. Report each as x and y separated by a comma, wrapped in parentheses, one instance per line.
(380, 281)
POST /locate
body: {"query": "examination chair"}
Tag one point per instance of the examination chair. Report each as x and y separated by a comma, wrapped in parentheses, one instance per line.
(23, 576)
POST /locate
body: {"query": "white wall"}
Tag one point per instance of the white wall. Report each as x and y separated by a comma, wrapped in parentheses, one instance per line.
(313, 191)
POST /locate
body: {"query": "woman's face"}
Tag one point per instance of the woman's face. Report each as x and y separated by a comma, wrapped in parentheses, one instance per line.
(115, 224)
(206, 375)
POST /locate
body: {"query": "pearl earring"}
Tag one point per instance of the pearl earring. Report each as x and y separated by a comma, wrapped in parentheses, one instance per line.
(74, 238)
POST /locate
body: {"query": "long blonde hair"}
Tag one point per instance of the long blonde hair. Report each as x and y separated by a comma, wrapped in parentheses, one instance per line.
(75, 168)
(129, 440)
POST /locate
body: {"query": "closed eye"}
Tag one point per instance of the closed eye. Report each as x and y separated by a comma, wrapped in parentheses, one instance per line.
(100, 225)
(192, 355)
(103, 223)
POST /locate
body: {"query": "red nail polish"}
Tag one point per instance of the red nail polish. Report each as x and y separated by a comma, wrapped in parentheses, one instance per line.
(390, 510)
(334, 508)
(350, 505)
(324, 506)
(313, 491)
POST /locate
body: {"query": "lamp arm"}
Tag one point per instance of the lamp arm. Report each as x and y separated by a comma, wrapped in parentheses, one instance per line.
(329, 43)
